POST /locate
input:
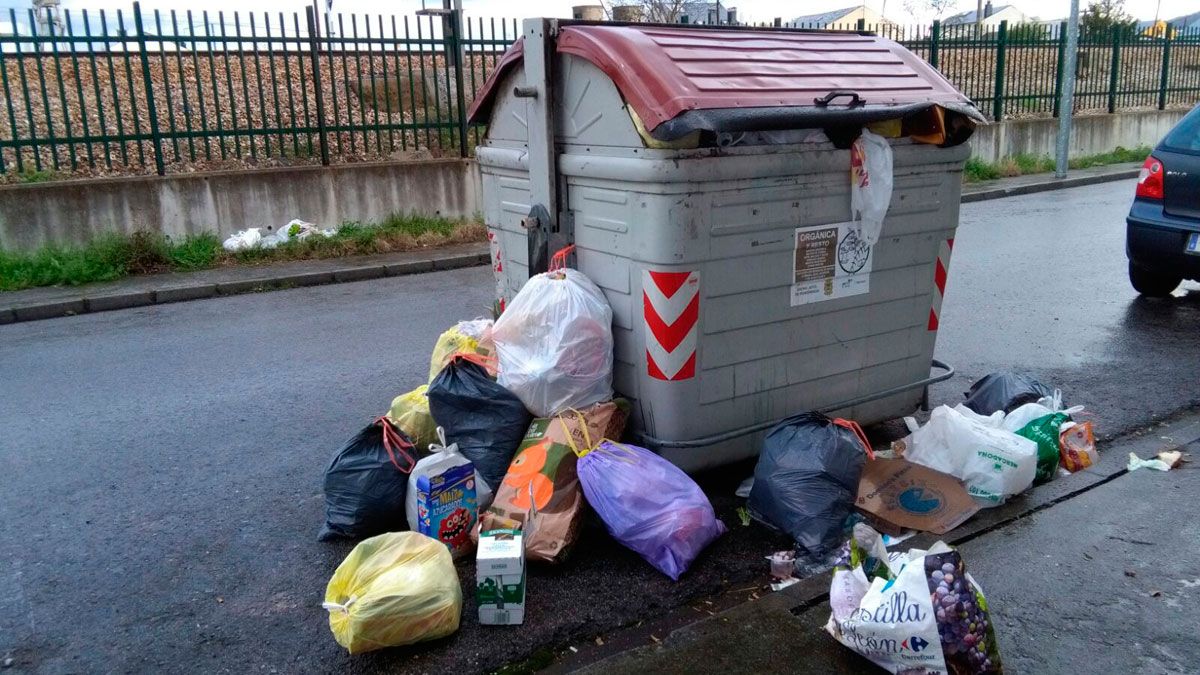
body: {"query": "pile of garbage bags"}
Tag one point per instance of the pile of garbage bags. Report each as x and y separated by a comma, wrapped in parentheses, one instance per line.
(819, 481)
(816, 474)
(500, 453)
(515, 436)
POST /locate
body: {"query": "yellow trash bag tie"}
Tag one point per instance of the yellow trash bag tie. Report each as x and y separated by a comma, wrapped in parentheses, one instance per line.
(394, 589)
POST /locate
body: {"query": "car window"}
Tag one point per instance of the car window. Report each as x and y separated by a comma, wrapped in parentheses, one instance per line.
(1186, 135)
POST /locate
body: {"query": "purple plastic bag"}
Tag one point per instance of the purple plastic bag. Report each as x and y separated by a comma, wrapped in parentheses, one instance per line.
(649, 505)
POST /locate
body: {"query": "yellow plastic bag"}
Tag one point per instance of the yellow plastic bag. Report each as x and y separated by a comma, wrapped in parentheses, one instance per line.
(394, 589)
(410, 412)
(466, 336)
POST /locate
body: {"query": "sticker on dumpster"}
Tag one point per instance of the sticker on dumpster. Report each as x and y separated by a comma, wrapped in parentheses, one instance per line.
(831, 262)
(671, 307)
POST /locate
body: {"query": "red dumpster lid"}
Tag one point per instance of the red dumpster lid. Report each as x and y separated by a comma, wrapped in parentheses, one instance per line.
(772, 76)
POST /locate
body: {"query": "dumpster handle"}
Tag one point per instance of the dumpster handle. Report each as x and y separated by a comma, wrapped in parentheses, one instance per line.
(855, 99)
(653, 443)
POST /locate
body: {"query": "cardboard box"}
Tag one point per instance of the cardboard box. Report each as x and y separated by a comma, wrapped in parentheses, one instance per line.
(500, 578)
(903, 494)
(446, 507)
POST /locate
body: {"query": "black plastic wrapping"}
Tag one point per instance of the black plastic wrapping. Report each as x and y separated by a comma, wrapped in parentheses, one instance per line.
(806, 480)
(364, 490)
(486, 420)
(1004, 391)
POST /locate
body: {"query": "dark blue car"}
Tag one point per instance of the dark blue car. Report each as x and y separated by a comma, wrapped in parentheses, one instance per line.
(1163, 226)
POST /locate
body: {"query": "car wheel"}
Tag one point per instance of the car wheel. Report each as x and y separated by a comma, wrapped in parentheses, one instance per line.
(1152, 284)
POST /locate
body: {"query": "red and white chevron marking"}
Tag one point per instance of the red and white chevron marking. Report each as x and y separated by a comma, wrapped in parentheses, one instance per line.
(940, 272)
(671, 306)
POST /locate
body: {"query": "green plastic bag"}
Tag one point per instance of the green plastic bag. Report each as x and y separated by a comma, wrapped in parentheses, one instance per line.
(1044, 432)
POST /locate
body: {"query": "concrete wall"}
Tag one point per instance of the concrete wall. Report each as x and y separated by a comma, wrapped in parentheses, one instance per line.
(1090, 134)
(72, 212)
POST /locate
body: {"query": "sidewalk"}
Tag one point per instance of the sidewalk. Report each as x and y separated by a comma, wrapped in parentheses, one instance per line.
(55, 301)
(1042, 182)
(1055, 564)
(50, 302)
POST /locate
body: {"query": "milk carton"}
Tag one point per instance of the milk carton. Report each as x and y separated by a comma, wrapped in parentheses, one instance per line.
(500, 577)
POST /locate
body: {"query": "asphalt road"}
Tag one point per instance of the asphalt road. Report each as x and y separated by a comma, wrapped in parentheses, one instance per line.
(162, 465)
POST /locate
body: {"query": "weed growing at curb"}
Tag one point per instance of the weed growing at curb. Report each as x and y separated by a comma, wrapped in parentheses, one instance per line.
(115, 256)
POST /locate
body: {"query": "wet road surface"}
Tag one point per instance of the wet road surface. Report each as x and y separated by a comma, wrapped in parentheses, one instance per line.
(162, 465)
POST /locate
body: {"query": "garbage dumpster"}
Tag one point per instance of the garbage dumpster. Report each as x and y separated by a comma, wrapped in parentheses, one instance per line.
(703, 176)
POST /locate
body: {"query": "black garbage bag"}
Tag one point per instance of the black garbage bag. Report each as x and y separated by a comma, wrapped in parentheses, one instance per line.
(807, 477)
(1004, 391)
(366, 483)
(486, 420)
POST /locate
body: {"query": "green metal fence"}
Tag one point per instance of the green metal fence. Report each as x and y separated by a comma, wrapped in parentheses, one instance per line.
(169, 92)
(154, 92)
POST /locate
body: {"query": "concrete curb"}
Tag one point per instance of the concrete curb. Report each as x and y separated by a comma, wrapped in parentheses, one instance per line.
(108, 301)
(437, 261)
(1046, 185)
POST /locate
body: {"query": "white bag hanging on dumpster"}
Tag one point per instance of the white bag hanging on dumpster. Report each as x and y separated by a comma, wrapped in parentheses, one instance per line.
(994, 463)
(870, 183)
(914, 612)
(555, 343)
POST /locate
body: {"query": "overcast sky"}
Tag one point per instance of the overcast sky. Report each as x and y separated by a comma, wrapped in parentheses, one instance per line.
(748, 10)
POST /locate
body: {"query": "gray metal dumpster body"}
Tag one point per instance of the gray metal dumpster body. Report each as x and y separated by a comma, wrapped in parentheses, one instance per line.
(707, 256)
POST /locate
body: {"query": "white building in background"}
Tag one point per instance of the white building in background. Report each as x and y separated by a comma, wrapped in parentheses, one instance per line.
(992, 16)
(709, 13)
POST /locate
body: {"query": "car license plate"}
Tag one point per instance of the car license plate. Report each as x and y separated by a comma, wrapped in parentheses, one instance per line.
(1193, 244)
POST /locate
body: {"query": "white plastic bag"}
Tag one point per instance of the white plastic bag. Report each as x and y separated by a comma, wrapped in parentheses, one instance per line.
(994, 463)
(914, 612)
(244, 239)
(555, 344)
(870, 183)
(996, 419)
(442, 460)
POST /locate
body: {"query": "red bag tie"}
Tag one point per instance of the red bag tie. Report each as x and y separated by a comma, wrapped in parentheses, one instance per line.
(862, 437)
(558, 261)
(488, 363)
(395, 444)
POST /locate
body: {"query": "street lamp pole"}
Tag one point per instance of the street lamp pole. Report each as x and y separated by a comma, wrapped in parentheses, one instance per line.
(1066, 103)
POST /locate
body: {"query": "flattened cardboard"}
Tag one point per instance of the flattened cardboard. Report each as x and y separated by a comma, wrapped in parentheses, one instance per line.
(908, 495)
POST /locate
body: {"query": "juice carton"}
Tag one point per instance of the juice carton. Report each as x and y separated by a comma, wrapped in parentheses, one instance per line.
(500, 577)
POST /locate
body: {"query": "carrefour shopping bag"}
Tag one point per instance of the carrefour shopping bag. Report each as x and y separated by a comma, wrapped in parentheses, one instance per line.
(914, 612)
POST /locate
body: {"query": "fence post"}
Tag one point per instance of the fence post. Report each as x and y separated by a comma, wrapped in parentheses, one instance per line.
(935, 42)
(1114, 70)
(315, 51)
(1001, 54)
(1058, 68)
(452, 37)
(1166, 70)
(155, 135)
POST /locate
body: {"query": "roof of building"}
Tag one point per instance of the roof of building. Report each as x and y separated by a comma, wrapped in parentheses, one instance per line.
(823, 18)
(969, 17)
